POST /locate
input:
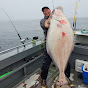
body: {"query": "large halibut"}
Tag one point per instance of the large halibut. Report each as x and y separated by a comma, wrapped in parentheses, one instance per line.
(60, 42)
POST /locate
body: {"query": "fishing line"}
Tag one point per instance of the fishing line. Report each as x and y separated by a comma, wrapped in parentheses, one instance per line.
(22, 40)
(12, 24)
(53, 4)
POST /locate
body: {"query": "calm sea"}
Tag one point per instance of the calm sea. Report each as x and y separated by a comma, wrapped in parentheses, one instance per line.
(27, 28)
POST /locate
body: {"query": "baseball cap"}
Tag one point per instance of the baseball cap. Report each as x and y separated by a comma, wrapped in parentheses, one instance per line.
(45, 8)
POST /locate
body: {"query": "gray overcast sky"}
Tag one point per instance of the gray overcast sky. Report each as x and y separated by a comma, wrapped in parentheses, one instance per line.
(31, 9)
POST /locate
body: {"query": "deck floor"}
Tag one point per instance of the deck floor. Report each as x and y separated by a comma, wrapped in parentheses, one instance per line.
(33, 81)
(78, 80)
(77, 77)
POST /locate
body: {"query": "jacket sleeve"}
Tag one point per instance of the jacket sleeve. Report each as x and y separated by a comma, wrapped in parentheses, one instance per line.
(42, 23)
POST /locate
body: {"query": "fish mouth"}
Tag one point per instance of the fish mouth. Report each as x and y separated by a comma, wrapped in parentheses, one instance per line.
(56, 19)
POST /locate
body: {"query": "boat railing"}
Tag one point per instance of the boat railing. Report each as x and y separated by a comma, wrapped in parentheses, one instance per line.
(21, 48)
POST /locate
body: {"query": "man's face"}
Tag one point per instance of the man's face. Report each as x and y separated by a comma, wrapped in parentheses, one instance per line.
(47, 12)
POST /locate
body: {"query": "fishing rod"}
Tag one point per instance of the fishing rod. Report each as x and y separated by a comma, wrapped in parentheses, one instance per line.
(74, 22)
(22, 40)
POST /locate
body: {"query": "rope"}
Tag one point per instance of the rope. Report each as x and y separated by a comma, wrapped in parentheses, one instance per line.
(74, 22)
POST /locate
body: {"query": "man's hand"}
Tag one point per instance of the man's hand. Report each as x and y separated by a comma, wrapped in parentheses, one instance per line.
(49, 13)
(47, 24)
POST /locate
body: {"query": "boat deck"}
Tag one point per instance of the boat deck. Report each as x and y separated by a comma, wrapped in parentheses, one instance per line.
(33, 81)
(78, 80)
(22, 70)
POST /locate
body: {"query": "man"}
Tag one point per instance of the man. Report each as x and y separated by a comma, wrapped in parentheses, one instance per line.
(44, 23)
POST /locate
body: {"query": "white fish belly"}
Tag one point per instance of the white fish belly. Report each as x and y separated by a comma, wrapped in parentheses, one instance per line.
(59, 45)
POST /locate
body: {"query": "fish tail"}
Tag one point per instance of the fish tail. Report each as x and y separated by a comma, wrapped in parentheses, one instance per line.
(62, 80)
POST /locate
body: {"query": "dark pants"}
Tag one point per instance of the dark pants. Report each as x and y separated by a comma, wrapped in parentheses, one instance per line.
(46, 63)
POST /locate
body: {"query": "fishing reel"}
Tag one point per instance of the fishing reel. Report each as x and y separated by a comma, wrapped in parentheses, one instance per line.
(23, 40)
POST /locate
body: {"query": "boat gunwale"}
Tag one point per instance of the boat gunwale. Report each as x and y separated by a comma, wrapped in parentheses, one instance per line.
(17, 47)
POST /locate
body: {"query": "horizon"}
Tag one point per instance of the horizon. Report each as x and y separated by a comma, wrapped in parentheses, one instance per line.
(40, 19)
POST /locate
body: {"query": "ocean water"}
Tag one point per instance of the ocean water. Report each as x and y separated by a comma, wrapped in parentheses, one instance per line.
(27, 28)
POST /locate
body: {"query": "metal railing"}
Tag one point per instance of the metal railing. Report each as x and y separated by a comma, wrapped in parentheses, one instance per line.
(20, 48)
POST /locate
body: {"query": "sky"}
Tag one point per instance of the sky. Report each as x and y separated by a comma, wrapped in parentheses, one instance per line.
(31, 9)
